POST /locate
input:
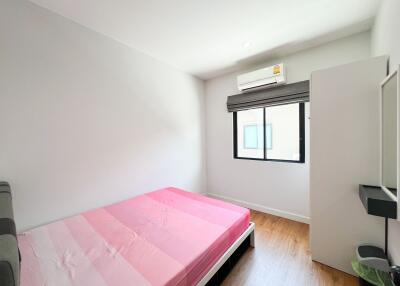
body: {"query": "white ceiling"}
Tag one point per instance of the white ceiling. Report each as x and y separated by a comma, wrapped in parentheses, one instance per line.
(210, 37)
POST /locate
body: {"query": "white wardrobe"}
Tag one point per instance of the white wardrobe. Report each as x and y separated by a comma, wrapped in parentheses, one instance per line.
(344, 152)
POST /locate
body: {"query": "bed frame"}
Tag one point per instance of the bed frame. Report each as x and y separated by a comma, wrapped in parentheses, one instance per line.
(236, 249)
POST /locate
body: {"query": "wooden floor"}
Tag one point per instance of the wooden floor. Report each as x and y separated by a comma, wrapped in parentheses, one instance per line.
(282, 257)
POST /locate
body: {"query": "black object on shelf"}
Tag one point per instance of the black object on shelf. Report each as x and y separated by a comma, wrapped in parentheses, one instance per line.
(378, 203)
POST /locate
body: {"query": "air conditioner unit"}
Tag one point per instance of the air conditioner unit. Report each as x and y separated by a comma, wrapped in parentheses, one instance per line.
(262, 78)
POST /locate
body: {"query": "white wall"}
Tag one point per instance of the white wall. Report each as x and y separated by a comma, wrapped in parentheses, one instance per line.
(386, 40)
(86, 121)
(279, 188)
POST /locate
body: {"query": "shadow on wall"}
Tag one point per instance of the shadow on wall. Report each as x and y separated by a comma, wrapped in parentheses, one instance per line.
(293, 47)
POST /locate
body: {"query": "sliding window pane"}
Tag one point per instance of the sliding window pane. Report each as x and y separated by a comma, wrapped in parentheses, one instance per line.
(283, 132)
(250, 133)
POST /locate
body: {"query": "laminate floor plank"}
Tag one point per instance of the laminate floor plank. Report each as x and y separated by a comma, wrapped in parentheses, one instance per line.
(282, 257)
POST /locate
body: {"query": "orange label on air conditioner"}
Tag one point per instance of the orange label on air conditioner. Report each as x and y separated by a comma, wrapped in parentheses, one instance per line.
(276, 69)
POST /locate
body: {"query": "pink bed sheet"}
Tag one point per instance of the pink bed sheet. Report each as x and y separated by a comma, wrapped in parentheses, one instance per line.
(166, 237)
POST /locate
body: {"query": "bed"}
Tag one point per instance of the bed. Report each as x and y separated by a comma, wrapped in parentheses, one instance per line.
(165, 237)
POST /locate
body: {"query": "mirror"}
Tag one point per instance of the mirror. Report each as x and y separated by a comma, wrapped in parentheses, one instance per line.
(389, 129)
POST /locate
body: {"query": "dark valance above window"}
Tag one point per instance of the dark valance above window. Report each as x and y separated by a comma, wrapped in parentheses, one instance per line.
(283, 94)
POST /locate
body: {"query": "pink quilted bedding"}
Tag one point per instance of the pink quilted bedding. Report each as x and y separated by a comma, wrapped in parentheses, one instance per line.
(166, 237)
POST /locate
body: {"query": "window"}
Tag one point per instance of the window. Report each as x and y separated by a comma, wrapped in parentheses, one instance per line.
(274, 133)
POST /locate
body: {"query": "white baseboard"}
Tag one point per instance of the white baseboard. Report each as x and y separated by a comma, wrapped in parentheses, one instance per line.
(263, 209)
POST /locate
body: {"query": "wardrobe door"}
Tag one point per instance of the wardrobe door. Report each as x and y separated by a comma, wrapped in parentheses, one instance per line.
(344, 152)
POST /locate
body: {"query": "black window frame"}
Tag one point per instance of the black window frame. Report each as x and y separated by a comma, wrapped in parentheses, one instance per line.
(301, 138)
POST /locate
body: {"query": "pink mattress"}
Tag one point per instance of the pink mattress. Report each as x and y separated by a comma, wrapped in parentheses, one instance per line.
(167, 237)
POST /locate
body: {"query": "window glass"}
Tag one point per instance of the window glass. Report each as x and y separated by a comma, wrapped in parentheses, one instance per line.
(250, 136)
(250, 133)
(284, 132)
